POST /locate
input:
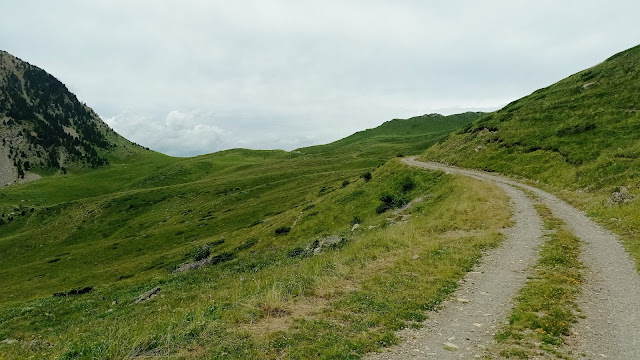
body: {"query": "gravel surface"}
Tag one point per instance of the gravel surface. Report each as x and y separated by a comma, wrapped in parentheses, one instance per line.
(611, 295)
(466, 323)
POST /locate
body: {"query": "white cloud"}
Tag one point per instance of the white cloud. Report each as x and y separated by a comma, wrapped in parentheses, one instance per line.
(284, 74)
(183, 133)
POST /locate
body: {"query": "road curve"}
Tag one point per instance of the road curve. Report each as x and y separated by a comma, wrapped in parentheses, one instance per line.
(610, 301)
(465, 325)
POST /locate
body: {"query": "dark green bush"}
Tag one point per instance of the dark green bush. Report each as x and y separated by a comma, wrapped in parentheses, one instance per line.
(407, 184)
(282, 230)
(201, 253)
(249, 243)
(389, 201)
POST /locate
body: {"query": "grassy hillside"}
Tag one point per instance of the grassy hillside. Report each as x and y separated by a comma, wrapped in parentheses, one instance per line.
(258, 218)
(397, 137)
(579, 137)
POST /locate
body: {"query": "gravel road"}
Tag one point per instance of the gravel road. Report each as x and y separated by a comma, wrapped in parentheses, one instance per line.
(465, 324)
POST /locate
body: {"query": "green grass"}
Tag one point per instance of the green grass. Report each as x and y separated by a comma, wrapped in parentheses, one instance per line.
(546, 307)
(266, 303)
(397, 137)
(578, 137)
(124, 229)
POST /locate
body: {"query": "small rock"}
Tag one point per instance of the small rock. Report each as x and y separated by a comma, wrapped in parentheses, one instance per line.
(8, 341)
(415, 257)
(354, 227)
(477, 324)
(462, 300)
(621, 196)
(450, 346)
(148, 295)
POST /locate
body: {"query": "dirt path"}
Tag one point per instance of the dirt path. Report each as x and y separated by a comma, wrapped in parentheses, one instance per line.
(610, 300)
(466, 324)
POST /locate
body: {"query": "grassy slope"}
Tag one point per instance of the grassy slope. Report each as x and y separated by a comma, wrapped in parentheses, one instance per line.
(403, 136)
(579, 137)
(123, 228)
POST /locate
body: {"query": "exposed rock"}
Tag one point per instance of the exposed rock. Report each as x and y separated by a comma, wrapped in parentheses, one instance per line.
(192, 265)
(148, 295)
(450, 346)
(78, 291)
(325, 242)
(621, 196)
(354, 227)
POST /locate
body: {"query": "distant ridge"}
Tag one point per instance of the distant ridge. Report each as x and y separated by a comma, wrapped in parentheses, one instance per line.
(413, 135)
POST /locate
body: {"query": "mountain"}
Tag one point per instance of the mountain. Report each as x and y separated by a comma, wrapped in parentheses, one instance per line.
(582, 132)
(45, 127)
(404, 136)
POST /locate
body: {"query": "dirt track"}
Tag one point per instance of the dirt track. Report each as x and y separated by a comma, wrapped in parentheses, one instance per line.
(465, 324)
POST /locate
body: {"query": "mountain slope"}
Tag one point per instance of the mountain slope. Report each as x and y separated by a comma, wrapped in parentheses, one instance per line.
(43, 126)
(581, 132)
(398, 136)
(579, 137)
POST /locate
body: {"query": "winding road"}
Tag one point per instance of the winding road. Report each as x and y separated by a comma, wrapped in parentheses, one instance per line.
(465, 325)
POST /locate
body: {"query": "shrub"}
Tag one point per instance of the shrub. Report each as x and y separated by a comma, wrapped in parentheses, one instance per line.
(215, 243)
(297, 252)
(356, 220)
(345, 183)
(366, 176)
(249, 243)
(382, 208)
(282, 230)
(223, 257)
(389, 201)
(407, 184)
(201, 253)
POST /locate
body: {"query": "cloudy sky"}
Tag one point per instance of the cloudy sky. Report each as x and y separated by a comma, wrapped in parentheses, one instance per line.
(194, 77)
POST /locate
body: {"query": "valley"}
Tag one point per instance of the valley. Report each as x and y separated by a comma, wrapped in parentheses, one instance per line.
(495, 235)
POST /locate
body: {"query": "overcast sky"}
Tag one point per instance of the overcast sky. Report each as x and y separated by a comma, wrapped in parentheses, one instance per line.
(194, 77)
